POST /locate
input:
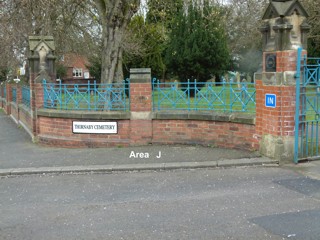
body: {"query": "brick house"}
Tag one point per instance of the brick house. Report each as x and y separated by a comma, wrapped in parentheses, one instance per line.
(76, 66)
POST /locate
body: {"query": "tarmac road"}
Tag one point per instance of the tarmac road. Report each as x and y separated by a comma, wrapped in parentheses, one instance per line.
(235, 203)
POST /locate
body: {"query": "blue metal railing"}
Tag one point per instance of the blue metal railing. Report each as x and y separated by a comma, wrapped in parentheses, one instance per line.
(307, 117)
(26, 96)
(90, 96)
(14, 95)
(198, 96)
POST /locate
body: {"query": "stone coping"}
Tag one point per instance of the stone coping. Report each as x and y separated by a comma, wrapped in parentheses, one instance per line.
(94, 115)
(243, 118)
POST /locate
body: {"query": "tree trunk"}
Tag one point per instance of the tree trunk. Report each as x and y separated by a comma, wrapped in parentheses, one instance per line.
(115, 17)
(112, 55)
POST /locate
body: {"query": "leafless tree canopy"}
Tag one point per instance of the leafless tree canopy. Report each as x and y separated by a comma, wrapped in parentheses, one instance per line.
(73, 23)
(96, 26)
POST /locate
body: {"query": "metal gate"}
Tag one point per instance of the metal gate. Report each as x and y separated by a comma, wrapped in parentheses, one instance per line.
(307, 109)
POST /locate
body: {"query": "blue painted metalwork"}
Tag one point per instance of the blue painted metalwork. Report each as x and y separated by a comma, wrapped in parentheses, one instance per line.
(201, 96)
(90, 96)
(26, 96)
(307, 109)
(297, 114)
(14, 95)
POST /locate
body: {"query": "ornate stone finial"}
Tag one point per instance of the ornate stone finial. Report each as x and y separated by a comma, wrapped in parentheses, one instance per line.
(282, 27)
(43, 54)
(41, 57)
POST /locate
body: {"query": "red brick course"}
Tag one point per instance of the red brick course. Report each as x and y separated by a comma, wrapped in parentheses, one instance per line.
(220, 134)
(140, 132)
(58, 132)
(140, 97)
(277, 121)
(25, 118)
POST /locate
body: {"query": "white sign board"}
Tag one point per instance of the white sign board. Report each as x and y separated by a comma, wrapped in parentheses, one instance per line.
(95, 127)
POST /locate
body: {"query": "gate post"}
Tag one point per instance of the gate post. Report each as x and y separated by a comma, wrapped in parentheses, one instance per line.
(42, 67)
(140, 106)
(8, 98)
(283, 33)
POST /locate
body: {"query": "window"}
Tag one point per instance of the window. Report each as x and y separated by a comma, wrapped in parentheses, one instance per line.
(77, 72)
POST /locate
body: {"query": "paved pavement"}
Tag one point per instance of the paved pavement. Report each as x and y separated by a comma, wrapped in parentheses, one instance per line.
(18, 155)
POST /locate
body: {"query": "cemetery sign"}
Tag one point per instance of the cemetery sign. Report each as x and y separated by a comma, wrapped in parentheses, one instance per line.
(95, 127)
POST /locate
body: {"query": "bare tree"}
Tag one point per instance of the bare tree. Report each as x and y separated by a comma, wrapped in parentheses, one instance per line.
(115, 16)
(243, 19)
(73, 23)
(312, 7)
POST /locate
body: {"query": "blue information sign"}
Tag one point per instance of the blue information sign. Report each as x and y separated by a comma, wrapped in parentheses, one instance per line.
(271, 100)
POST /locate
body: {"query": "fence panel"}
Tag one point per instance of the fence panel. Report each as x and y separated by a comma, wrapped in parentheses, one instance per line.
(307, 118)
(26, 96)
(197, 96)
(90, 96)
(14, 94)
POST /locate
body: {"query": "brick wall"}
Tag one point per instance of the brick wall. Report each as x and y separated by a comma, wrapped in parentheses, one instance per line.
(277, 121)
(220, 134)
(8, 99)
(14, 111)
(140, 97)
(2, 99)
(54, 131)
(58, 132)
(139, 127)
(25, 117)
(140, 132)
(285, 60)
(140, 106)
(21, 114)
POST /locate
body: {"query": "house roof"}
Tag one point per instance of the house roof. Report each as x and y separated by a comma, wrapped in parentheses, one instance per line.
(75, 60)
